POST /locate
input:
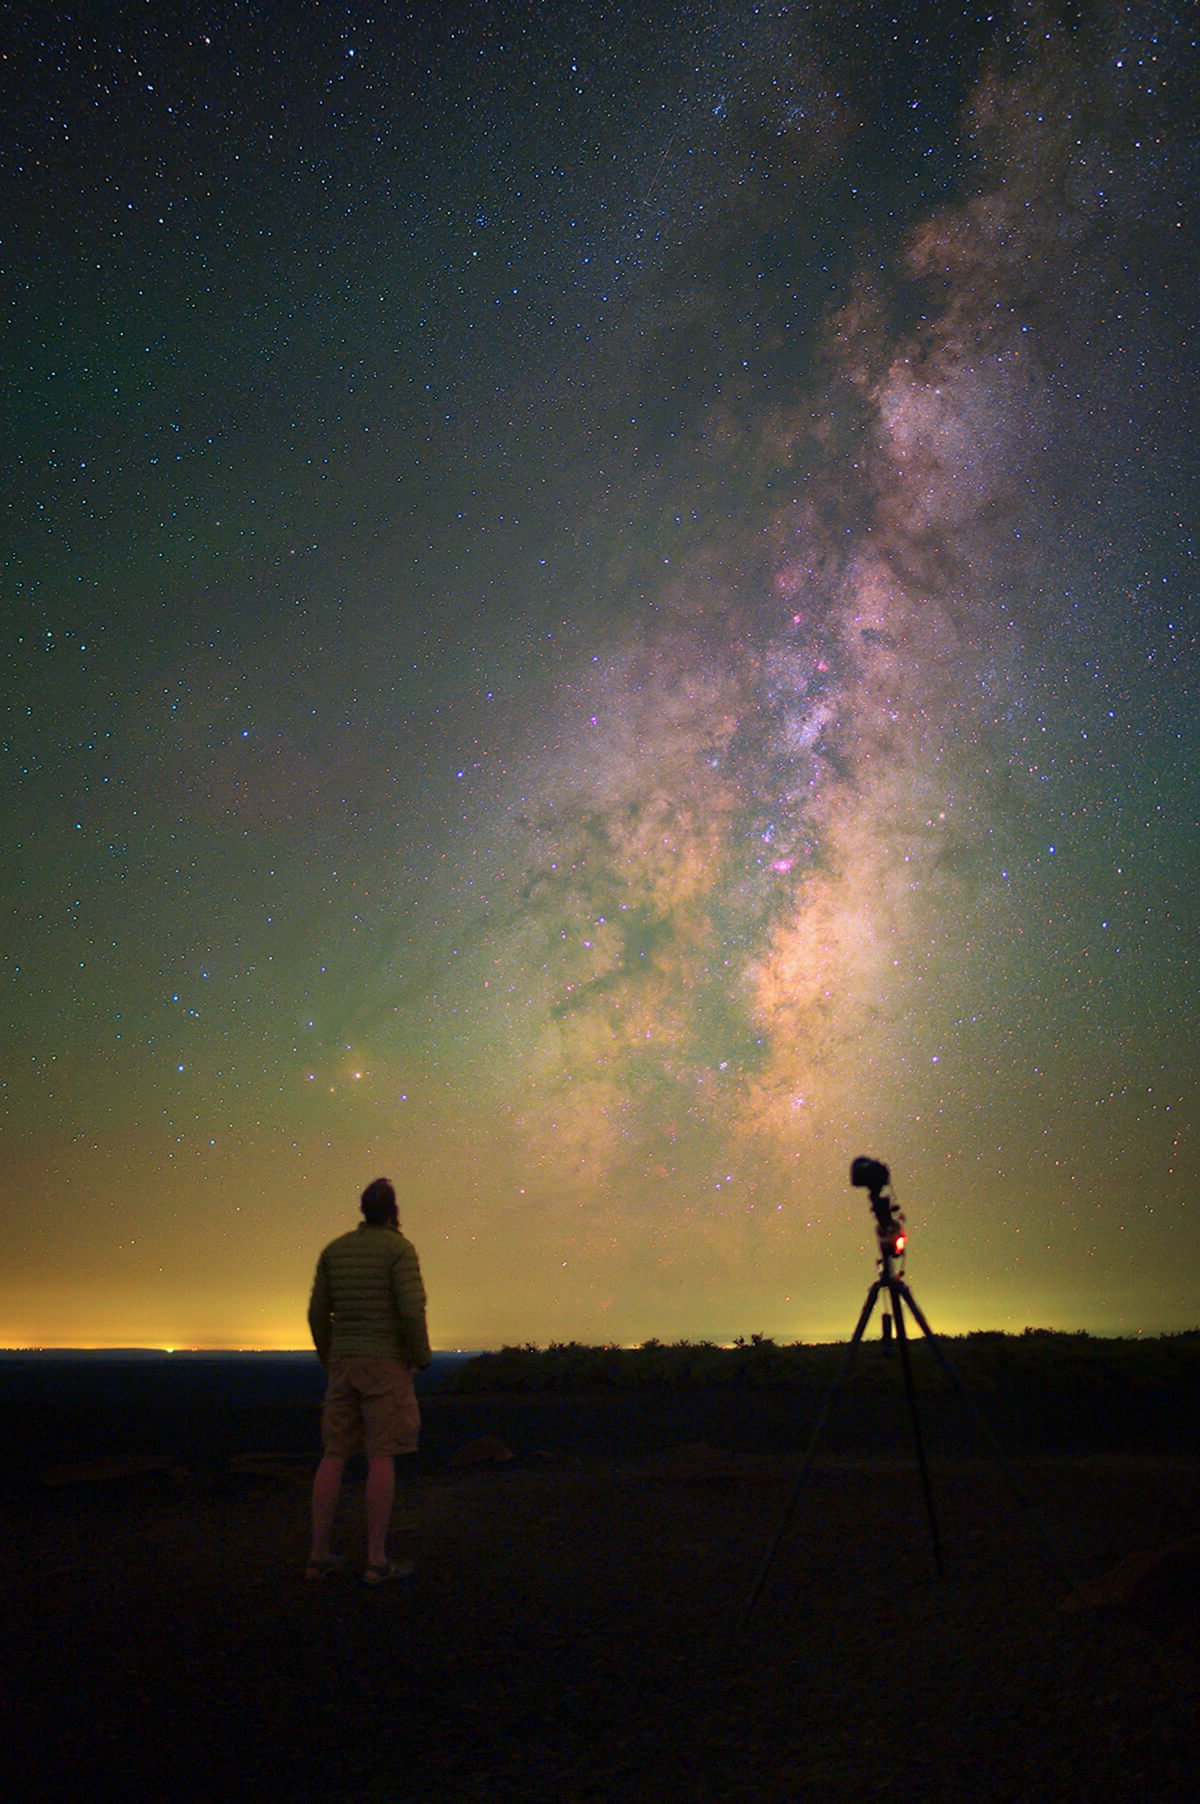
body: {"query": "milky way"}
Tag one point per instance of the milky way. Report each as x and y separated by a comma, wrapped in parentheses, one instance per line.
(787, 792)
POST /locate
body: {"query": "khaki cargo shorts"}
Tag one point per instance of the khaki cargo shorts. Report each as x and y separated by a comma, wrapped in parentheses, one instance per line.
(370, 1407)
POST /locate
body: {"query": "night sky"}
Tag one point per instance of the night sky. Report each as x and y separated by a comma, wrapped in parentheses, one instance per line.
(599, 615)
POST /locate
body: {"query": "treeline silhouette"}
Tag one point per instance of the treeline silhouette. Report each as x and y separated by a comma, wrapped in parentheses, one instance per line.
(987, 1362)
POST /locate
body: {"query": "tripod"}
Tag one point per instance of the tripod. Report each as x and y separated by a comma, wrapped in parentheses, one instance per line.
(873, 1176)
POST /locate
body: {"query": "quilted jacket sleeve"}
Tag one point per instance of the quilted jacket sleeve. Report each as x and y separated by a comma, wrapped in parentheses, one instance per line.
(320, 1312)
(408, 1296)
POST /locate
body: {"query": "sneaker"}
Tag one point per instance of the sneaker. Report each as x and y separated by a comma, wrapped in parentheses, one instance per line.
(391, 1569)
(323, 1568)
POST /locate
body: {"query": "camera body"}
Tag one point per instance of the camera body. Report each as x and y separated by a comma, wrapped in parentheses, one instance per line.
(873, 1176)
(869, 1174)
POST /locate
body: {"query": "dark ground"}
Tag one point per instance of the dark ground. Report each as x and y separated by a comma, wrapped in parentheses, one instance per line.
(573, 1630)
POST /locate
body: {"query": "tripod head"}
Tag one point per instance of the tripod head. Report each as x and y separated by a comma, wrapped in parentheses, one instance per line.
(873, 1176)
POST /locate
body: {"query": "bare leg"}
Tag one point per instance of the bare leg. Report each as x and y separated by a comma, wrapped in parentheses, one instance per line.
(381, 1490)
(327, 1488)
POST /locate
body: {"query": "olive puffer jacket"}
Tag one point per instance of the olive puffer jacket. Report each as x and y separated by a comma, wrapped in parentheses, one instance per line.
(368, 1297)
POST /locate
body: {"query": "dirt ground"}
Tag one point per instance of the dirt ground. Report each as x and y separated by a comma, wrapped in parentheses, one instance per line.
(576, 1632)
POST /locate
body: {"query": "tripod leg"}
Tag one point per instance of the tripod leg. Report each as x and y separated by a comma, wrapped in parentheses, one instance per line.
(838, 1380)
(897, 1295)
(943, 1358)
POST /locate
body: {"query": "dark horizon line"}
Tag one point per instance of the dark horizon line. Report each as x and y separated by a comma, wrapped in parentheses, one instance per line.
(157, 1352)
(131, 1351)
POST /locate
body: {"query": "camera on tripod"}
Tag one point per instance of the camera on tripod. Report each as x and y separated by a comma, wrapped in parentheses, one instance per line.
(873, 1176)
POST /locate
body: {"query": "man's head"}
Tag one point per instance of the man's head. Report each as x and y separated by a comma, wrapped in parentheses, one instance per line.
(379, 1204)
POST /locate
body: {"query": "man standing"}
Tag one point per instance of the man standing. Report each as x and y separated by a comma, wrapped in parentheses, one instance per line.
(367, 1317)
